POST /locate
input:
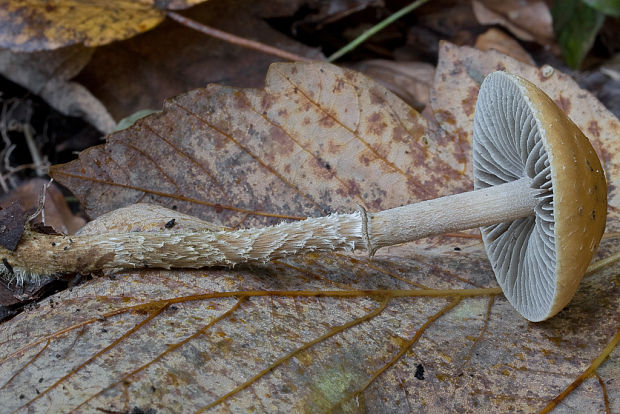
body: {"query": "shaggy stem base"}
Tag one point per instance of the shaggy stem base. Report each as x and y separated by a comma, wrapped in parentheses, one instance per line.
(42, 254)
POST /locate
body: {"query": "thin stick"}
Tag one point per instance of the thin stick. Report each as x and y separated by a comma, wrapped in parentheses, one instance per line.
(237, 40)
(3, 184)
(34, 151)
(376, 28)
(41, 206)
(599, 264)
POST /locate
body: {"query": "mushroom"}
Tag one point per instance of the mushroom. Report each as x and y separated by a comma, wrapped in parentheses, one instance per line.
(540, 259)
(540, 199)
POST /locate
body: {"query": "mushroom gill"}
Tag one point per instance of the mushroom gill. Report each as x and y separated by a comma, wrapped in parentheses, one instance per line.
(508, 146)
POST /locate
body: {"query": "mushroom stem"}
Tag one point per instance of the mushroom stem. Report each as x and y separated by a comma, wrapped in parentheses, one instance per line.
(491, 205)
(40, 254)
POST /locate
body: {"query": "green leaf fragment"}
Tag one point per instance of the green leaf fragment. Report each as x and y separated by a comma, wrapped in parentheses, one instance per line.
(131, 119)
(575, 25)
(608, 7)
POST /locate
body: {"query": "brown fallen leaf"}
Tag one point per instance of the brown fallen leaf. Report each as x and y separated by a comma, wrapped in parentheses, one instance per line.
(454, 98)
(451, 20)
(142, 217)
(497, 40)
(178, 59)
(15, 296)
(57, 213)
(12, 223)
(323, 131)
(321, 332)
(33, 25)
(335, 10)
(529, 20)
(411, 81)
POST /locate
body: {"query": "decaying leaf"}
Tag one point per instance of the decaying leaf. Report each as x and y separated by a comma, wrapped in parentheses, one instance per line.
(497, 40)
(411, 81)
(29, 26)
(12, 222)
(178, 59)
(142, 217)
(309, 125)
(317, 333)
(454, 98)
(528, 20)
(56, 212)
(48, 74)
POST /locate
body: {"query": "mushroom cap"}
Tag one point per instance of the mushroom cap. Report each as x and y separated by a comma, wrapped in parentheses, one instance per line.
(520, 132)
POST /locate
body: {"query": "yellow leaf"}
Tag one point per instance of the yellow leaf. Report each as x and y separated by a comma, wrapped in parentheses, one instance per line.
(33, 25)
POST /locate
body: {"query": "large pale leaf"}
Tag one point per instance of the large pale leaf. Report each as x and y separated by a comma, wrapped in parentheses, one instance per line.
(264, 338)
(317, 139)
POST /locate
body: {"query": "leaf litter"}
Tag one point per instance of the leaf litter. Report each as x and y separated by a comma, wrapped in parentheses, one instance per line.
(319, 332)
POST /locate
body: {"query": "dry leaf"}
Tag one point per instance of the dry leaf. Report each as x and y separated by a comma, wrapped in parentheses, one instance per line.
(178, 59)
(453, 101)
(335, 10)
(49, 73)
(497, 40)
(11, 295)
(315, 333)
(29, 26)
(12, 222)
(311, 137)
(57, 213)
(143, 217)
(411, 81)
(451, 20)
(528, 20)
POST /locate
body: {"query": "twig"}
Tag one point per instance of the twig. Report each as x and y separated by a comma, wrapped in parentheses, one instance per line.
(32, 147)
(4, 125)
(237, 40)
(8, 146)
(6, 155)
(3, 184)
(41, 206)
(39, 164)
(376, 28)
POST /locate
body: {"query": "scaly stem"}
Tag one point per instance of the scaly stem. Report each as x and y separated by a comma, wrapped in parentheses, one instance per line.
(39, 254)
